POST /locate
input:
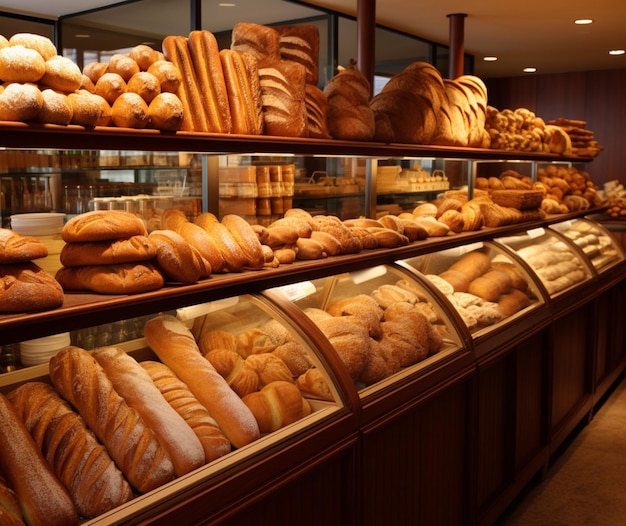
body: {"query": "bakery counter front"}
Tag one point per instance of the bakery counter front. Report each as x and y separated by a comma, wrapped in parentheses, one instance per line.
(216, 407)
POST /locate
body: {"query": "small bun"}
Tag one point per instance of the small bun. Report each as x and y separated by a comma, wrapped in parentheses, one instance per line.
(110, 86)
(166, 112)
(123, 65)
(20, 102)
(94, 70)
(43, 45)
(87, 84)
(56, 108)
(86, 108)
(105, 111)
(144, 84)
(130, 111)
(145, 56)
(168, 74)
(21, 64)
(61, 74)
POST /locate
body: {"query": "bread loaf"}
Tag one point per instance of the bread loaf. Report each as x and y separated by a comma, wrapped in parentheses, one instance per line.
(168, 75)
(472, 265)
(102, 225)
(42, 498)
(246, 238)
(145, 56)
(40, 43)
(166, 112)
(25, 287)
(259, 41)
(234, 257)
(176, 347)
(121, 278)
(277, 405)
(21, 64)
(269, 368)
(10, 511)
(55, 109)
(316, 105)
(61, 74)
(200, 239)
(491, 285)
(18, 248)
(180, 397)
(136, 387)
(79, 461)
(20, 102)
(128, 250)
(133, 446)
(123, 65)
(175, 257)
(301, 43)
(144, 84)
(130, 110)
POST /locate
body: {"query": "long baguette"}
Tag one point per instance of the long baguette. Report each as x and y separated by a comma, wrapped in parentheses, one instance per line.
(180, 397)
(174, 344)
(210, 76)
(80, 462)
(176, 50)
(43, 499)
(132, 445)
(134, 384)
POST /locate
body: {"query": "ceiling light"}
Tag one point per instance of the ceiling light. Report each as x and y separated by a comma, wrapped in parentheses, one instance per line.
(617, 52)
(530, 70)
(226, 4)
(490, 59)
(583, 21)
(80, 35)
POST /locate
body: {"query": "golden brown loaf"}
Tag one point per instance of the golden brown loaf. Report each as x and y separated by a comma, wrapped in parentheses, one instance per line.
(133, 446)
(21, 64)
(18, 248)
(180, 397)
(144, 84)
(44, 501)
(102, 225)
(130, 110)
(166, 112)
(246, 238)
(200, 239)
(316, 105)
(79, 461)
(42, 44)
(176, 347)
(277, 405)
(234, 257)
(121, 278)
(123, 65)
(61, 74)
(55, 109)
(127, 250)
(259, 41)
(135, 386)
(168, 75)
(175, 257)
(301, 44)
(25, 287)
(20, 102)
(145, 56)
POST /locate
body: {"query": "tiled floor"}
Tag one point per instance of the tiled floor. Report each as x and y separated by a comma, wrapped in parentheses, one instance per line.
(586, 484)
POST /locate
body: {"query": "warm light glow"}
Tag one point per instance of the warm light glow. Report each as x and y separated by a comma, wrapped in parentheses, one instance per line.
(226, 4)
(583, 21)
(82, 36)
(490, 59)
(530, 70)
(617, 52)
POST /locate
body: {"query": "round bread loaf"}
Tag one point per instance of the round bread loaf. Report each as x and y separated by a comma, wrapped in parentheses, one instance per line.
(110, 86)
(127, 250)
(21, 64)
(123, 278)
(43, 45)
(87, 84)
(20, 102)
(17, 248)
(145, 56)
(168, 75)
(144, 84)
(25, 287)
(56, 108)
(105, 111)
(102, 225)
(86, 108)
(94, 70)
(61, 74)
(166, 112)
(122, 64)
(130, 111)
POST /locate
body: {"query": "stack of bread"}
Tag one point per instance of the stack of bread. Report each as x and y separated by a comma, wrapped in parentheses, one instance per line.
(483, 291)
(616, 199)
(583, 140)
(523, 131)
(24, 286)
(566, 189)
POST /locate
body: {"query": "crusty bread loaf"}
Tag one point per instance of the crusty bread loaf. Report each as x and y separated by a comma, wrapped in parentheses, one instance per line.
(180, 397)
(125, 250)
(124, 65)
(86, 107)
(317, 112)
(25, 287)
(121, 278)
(234, 257)
(79, 461)
(491, 285)
(20, 102)
(175, 257)
(134, 447)
(136, 387)
(43, 499)
(144, 84)
(168, 75)
(145, 56)
(40, 43)
(18, 248)
(260, 41)
(201, 240)
(176, 347)
(472, 264)
(246, 238)
(277, 405)
(101, 225)
(130, 110)
(301, 44)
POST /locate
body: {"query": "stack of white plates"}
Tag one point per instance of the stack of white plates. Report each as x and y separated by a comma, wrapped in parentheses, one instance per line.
(40, 350)
(38, 224)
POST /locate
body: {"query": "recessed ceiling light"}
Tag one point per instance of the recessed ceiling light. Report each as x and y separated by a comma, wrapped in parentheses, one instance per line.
(80, 35)
(617, 52)
(530, 70)
(490, 59)
(226, 4)
(583, 21)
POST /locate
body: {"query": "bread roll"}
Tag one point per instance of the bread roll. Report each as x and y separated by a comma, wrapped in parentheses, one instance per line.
(102, 225)
(126, 250)
(168, 75)
(135, 386)
(55, 109)
(472, 265)
(491, 285)
(166, 112)
(43, 499)
(61, 74)
(94, 70)
(21, 64)
(42, 44)
(180, 397)
(20, 102)
(123, 65)
(18, 248)
(513, 302)
(25, 287)
(133, 446)
(110, 86)
(278, 404)
(144, 84)
(79, 461)
(86, 108)
(130, 111)
(350, 340)
(175, 346)
(145, 56)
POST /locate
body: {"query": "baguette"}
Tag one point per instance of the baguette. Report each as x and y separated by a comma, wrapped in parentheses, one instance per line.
(176, 347)
(134, 384)
(43, 499)
(80, 462)
(133, 446)
(184, 402)
(231, 251)
(247, 239)
(210, 76)
(200, 239)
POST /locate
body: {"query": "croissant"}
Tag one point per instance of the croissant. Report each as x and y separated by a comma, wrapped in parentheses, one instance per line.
(80, 462)
(133, 446)
(277, 405)
(237, 372)
(180, 397)
(269, 368)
